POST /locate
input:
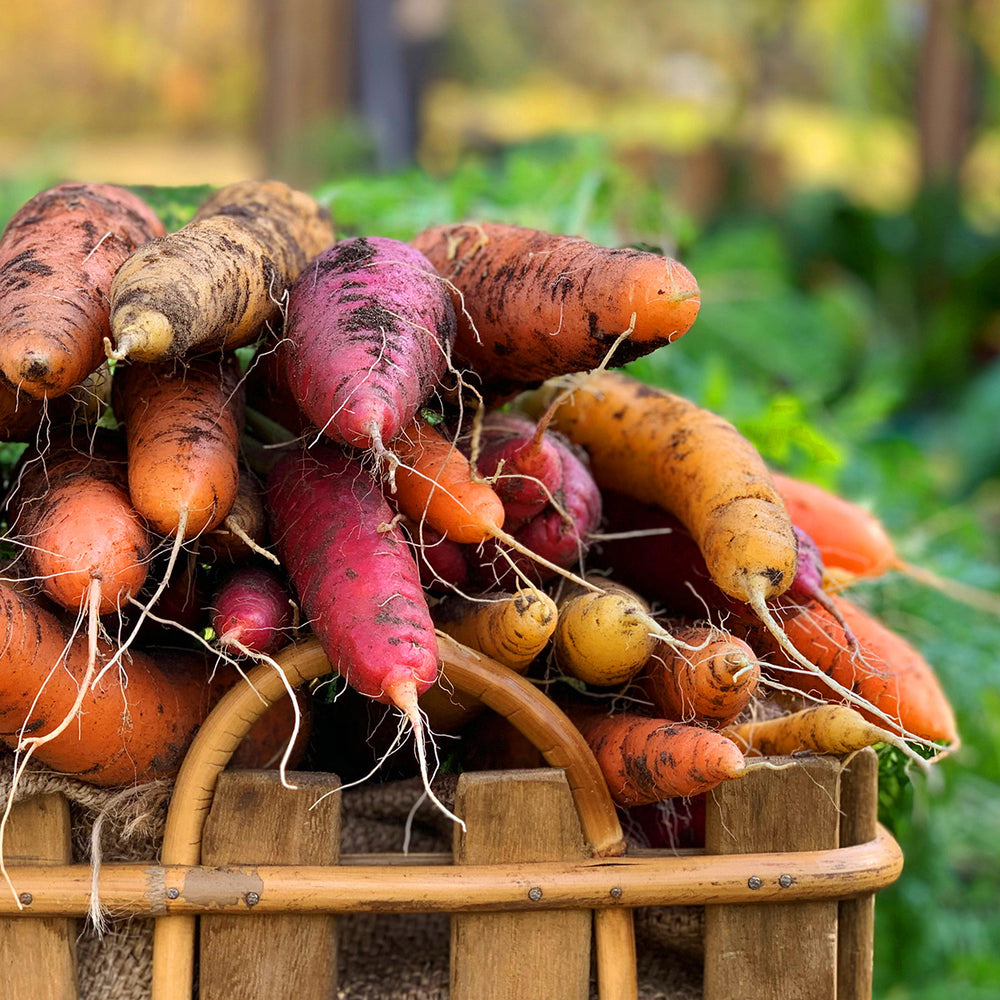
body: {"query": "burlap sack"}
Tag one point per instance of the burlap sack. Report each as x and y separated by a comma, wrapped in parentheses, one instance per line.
(127, 826)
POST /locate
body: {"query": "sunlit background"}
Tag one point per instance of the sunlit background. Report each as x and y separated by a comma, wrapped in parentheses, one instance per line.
(873, 97)
(829, 169)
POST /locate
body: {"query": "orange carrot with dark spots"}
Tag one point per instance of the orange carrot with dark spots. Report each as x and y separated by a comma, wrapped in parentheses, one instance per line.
(648, 760)
(72, 515)
(58, 256)
(183, 428)
(662, 449)
(710, 680)
(532, 304)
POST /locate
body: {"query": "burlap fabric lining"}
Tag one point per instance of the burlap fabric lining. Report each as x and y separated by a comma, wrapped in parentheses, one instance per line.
(116, 964)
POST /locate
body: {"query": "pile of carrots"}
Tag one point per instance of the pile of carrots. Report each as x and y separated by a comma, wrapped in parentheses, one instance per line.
(248, 430)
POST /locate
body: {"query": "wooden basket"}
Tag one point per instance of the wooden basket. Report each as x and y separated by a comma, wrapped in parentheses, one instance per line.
(537, 883)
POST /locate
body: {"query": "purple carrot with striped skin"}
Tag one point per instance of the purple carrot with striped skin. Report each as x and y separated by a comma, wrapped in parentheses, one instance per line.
(367, 338)
(58, 256)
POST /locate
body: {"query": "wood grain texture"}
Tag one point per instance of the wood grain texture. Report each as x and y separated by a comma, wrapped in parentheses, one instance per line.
(856, 929)
(256, 820)
(38, 955)
(774, 951)
(519, 817)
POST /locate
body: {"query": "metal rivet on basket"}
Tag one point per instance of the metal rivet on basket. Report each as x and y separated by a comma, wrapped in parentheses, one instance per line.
(616, 892)
(785, 881)
(534, 894)
(25, 898)
(252, 898)
(173, 893)
(754, 882)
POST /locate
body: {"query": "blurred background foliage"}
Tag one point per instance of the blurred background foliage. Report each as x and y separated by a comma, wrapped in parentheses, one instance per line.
(828, 169)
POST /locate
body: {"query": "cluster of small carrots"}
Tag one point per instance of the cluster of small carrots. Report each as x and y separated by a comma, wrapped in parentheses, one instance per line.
(248, 429)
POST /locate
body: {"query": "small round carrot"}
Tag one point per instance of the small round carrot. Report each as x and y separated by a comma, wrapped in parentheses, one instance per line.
(58, 256)
(511, 628)
(709, 680)
(532, 304)
(604, 638)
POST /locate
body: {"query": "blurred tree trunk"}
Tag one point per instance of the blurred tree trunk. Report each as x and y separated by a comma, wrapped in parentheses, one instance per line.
(308, 72)
(946, 94)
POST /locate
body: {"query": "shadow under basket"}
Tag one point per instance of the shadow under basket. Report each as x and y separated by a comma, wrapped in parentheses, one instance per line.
(256, 890)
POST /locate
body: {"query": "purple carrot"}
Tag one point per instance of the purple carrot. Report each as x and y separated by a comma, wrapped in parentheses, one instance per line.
(252, 610)
(367, 338)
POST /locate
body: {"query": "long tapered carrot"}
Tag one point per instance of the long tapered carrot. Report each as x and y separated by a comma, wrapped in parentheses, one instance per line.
(434, 484)
(662, 449)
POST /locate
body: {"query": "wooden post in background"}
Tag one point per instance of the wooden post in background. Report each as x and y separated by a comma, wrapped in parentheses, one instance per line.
(38, 954)
(774, 951)
(519, 816)
(308, 61)
(856, 929)
(255, 820)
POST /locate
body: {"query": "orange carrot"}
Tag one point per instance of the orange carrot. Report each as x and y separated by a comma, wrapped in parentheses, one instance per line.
(662, 449)
(434, 483)
(532, 304)
(122, 732)
(847, 536)
(894, 679)
(711, 681)
(853, 543)
(183, 427)
(58, 256)
(71, 512)
(647, 760)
